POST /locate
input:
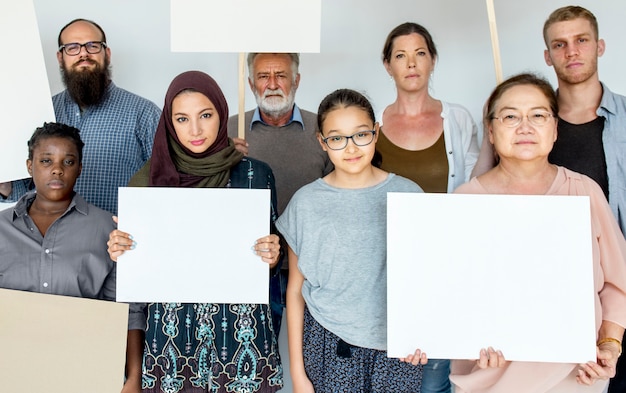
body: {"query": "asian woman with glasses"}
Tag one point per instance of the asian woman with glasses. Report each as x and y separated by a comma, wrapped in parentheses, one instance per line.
(521, 124)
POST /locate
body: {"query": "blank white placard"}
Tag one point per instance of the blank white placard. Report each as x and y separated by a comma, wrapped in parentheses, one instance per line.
(245, 25)
(470, 271)
(193, 245)
(25, 101)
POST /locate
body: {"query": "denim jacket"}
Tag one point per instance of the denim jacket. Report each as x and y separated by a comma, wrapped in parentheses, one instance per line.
(613, 109)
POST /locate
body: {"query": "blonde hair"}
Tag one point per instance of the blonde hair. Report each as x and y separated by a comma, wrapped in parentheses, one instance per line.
(566, 13)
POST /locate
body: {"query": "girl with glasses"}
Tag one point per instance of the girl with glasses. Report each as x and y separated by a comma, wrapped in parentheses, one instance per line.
(336, 231)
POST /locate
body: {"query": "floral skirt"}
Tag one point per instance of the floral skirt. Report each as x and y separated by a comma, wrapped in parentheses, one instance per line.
(333, 365)
(206, 347)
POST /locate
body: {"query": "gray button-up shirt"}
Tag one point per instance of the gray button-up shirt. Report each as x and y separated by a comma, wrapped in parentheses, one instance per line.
(71, 259)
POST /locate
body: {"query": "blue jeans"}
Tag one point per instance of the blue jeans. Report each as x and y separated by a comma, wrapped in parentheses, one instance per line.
(278, 297)
(436, 376)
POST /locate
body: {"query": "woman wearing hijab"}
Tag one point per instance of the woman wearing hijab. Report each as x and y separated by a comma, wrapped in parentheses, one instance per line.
(205, 347)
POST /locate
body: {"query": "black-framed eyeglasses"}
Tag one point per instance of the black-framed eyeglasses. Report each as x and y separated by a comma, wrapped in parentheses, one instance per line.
(338, 142)
(92, 47)
(513, 118)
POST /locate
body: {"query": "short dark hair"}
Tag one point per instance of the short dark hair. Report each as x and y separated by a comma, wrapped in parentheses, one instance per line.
(104, 37)
(56, 130)
(343, 98)
(527, 79)
(406, 29)
(566, 13)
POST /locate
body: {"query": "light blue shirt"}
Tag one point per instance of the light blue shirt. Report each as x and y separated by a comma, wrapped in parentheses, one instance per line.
(295, 116)
(613, 109)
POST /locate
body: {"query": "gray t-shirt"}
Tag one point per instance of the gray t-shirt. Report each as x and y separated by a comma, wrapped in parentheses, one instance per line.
(340, 238)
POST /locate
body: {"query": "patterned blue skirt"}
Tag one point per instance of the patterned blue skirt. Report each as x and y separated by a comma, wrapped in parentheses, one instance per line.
(206, 347)
(333, 365)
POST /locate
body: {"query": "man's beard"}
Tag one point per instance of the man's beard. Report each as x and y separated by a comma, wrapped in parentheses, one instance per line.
(87, 87)
(582, 76)
(275, 106)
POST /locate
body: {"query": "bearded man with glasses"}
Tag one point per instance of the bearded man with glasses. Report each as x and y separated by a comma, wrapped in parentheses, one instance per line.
(117, 126)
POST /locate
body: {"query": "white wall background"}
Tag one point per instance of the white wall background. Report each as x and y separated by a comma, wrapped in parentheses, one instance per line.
(353, 32)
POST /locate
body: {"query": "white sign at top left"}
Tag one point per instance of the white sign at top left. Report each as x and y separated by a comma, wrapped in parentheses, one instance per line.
(25, 102)
(246, 25)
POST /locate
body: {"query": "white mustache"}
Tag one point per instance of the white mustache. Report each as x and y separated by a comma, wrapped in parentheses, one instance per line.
(276, 92)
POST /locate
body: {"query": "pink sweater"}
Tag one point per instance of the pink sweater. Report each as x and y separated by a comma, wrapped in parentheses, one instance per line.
(609, 259)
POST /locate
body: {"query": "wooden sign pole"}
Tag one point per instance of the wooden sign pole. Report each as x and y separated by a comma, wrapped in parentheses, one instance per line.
(495, 45)
(242, 96)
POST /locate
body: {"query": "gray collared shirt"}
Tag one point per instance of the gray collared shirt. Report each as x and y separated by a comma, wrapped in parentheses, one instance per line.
(71, 259)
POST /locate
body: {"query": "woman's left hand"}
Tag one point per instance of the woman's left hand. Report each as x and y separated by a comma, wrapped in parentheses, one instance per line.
(268, 248)
(604, 368)
(416, 358)
(490, 358)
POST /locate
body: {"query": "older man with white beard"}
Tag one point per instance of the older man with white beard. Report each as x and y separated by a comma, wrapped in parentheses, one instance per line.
(282, 135)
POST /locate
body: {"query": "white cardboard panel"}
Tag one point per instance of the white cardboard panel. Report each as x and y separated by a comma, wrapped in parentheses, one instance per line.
(25, 101)
(470, 271)
(245, 25)
(193, 245)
